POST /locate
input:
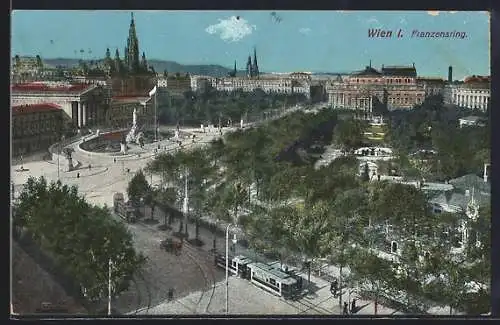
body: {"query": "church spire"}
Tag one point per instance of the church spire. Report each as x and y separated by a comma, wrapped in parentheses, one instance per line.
(249, 67)
(132, 55)
(255, 64)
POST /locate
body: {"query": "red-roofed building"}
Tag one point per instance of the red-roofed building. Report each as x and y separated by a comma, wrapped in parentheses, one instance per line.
(35, 127)
(84, 104)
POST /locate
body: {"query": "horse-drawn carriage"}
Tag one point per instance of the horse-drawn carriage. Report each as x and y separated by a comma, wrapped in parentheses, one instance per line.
(171, 245)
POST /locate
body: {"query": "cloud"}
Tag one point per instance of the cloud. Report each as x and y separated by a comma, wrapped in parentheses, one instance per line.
(232, 29)
(436, 12)
(305, 30)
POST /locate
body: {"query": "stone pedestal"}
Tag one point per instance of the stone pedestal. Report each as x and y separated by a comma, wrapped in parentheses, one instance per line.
(69, 164)
(123, 148)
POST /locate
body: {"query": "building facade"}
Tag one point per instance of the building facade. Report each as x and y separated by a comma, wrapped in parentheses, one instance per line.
(84, 105)
(35, 127)
(394, 87)
(473, 93)
(267, 83)
(122, 109)
(176, 85)
(431, 86)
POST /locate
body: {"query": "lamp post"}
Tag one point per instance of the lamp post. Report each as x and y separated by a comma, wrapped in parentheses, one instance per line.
(227, 265)
(109, 286)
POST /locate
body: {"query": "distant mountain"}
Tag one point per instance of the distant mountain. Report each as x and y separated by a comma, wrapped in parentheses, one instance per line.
(212, 70)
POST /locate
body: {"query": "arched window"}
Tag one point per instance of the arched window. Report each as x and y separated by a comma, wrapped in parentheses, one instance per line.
(394, 247)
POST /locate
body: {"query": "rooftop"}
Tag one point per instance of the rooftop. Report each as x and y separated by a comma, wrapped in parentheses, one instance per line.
(51, 87)
(408, 71)
(34, 108)
(368, 71)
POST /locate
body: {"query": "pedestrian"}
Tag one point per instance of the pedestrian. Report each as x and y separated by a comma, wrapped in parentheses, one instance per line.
(170, 294)
(114, 160)
(346, 309)
(77, 175)
(353, 306)
(334, 287)
(90, 167)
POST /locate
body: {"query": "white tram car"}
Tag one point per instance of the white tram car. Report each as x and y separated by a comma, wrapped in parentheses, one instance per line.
(273, 280)
(269, 277)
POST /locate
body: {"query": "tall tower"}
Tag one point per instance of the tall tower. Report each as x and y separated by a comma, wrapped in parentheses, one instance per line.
(132, 48)
(255, 64)
(450, 74)
(249, 67)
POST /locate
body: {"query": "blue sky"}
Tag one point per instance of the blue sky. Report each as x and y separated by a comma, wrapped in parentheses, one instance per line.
(328, 41)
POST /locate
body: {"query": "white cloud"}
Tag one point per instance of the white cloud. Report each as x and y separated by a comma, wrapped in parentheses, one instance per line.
(433, 13)
(232, 29)
(305, 30)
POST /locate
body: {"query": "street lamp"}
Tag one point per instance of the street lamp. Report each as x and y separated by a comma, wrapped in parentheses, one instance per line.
(109, 286)
(227, 264)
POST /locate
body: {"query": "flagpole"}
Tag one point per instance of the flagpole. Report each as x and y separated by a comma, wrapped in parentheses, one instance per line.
(156, 118)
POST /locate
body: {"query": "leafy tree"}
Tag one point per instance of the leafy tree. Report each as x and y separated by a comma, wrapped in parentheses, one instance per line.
(345, 224)
(138, 188)
(348, 135)
(81, 238)
(372, 274)
(365, 175)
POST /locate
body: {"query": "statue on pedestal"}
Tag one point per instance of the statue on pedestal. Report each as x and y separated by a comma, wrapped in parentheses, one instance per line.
(68, 154)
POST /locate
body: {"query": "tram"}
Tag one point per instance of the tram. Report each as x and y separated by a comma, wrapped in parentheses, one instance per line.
(237, 265)
(273, 280)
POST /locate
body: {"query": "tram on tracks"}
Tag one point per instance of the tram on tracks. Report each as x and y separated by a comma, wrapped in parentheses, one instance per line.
(274, 280)
(237, 265)
(269, 277)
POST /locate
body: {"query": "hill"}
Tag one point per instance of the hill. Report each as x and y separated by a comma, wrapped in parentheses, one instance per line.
(212, 70)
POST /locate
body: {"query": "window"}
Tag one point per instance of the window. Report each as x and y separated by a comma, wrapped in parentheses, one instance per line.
(394, 247)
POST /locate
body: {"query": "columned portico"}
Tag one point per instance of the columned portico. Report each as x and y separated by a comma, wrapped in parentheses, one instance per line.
(80, 114)
(85, 112)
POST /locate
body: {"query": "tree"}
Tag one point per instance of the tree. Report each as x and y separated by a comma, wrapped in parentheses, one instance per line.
(138, 188)
(81, 238)
(345, 225)
(348, 134)
(365, 175)
(372, 274)
(448, 280)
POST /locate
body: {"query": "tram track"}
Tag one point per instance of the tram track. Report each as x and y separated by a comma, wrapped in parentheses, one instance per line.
(209, 276)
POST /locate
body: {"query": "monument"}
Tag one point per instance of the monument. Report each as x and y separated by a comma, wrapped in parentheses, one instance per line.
(68, 153)
(132, 135)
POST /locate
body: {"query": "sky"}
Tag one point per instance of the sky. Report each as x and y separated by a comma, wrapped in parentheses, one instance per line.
(286, 41)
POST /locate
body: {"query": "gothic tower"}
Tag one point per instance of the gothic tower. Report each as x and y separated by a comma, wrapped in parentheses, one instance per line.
(255, 68)
(132, 55)
(249, 67)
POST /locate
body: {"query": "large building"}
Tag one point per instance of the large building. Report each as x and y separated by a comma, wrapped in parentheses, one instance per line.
(35, 127)
(267, 83)
(84, 105)
(395, 87)
(473, 93)
(122, 108)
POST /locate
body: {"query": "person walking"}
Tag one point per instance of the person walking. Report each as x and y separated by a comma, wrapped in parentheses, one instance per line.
(353, 306)
(346, 309)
